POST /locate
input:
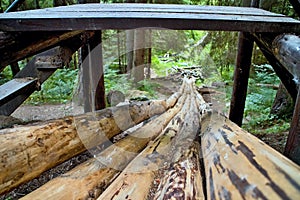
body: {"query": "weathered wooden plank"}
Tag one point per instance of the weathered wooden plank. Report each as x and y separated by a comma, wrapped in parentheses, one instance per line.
(28, 151)
(92, 177)
(116, 7)
(14, 88)
(206, 19)
(240, 166)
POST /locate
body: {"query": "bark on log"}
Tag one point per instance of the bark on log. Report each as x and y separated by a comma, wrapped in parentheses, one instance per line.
(92, 177)
(240, 166)
(30, 150)
(264, 41)
(179, 172)
(286, 50)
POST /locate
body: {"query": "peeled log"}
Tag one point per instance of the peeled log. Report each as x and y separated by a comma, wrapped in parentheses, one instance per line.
(172, 152)
(28, 151)
(240, 166)
(90, 179)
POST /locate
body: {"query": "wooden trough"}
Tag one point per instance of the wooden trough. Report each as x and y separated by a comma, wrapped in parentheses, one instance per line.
(174, 149)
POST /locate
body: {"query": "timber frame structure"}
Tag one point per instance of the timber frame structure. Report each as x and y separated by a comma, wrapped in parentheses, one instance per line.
(54, 34)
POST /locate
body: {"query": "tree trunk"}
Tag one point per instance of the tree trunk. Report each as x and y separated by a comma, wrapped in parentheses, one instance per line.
(38, 147)
(283, 104)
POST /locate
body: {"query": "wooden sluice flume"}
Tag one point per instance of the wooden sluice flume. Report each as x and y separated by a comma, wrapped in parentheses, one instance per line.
(180, 149)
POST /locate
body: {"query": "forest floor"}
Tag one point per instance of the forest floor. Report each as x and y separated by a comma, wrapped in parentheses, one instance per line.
(29, 113)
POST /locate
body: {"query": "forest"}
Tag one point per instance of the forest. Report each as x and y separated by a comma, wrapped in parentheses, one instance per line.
(215, 52)
(166, 141)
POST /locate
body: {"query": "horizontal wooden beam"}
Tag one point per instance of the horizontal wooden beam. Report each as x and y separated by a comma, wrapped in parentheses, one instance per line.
(129, 16)
(17, 46)
(15, 87)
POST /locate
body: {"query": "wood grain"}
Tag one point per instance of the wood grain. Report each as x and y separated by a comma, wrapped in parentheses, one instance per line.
(128, 16)
(240, 166)
(27, 151)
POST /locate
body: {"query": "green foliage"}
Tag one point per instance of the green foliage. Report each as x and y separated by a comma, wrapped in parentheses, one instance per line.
(259, 102)
(5, 75)
(116, 81)
(147, 86)
(57, 89)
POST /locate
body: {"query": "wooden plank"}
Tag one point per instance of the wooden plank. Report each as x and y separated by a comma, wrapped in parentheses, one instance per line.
(240, 166)
(209, 18)
(30, 150)
(15, 87)
(116, 7)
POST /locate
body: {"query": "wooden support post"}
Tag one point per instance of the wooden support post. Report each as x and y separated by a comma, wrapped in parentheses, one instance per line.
(241, 76)
(92, 74)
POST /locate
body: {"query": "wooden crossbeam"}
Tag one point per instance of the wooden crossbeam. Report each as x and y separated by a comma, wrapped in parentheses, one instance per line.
(129, 16)
(13, 46)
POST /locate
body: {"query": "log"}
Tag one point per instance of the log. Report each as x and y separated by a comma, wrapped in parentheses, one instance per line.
(240, 166)
(92, 177)
(28, 151)
(264, 42)
(286, 49)
(158, 162)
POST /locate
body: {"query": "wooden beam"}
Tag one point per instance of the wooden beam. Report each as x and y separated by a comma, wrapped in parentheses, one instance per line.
(264, 42)
(13, 46)
(128, 16)
(28, 151)
(241, 76)
(15, 87)
(240, 166)
(41, 67)
(93, 74)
